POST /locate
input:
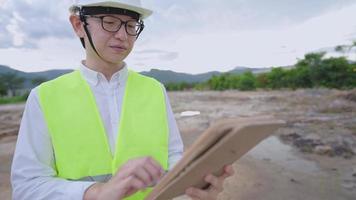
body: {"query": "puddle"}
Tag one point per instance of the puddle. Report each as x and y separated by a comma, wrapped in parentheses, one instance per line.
(274, 150)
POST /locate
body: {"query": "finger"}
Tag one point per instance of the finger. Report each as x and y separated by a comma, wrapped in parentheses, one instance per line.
(143, 174)
(196, 193)
(126, 169)
(144, 168)
(130, 192)
(149, 171)
(156, 165)
(228, 171)
(133, 166)
(131, 185)
(215, 182)
(154, 169)
(154, 172)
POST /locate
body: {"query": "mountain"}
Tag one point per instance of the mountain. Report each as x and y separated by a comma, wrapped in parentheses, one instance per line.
(240, 70)
(168, 76)
(164, 76)
(5, 69)
(28, 76)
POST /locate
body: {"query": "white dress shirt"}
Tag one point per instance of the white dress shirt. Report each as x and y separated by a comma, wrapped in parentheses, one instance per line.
(33, 174)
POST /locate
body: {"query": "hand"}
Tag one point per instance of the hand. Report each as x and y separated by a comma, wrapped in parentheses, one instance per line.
(216, 186)
(134, 175)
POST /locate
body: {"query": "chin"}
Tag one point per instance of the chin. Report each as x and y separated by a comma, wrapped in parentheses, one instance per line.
(116, 59)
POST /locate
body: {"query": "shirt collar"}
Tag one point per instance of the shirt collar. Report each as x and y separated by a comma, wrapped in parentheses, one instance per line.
(94, 77)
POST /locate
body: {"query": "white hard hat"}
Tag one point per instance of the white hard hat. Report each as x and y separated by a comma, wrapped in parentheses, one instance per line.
(132, 5)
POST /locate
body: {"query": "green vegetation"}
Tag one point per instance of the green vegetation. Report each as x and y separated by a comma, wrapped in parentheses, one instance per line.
(12, 88)
(3, 90)
(11, 82)
(14, 99)
(245, 81)
(179, 86)
(314, 70)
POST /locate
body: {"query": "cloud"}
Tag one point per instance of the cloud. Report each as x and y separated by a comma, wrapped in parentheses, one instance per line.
(150, 51)
(169, 56)
(149, 54)
(51, 53)
(191, 36)
(25, 22)
(222, 49)
(180, 17)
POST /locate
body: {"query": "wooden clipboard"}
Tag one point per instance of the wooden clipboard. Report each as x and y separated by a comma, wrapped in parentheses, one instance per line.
(222, 143)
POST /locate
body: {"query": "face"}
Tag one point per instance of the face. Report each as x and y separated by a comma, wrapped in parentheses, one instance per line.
(113, 48)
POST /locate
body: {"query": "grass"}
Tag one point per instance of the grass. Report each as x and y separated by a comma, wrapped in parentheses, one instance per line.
(15, 99)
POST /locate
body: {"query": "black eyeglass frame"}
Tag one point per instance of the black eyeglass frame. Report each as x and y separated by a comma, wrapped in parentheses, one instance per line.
(140, 24)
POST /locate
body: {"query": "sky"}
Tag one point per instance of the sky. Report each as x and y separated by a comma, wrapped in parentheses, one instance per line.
(192, 36)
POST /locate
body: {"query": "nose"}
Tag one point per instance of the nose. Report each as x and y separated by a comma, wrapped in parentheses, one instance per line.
(121, 33)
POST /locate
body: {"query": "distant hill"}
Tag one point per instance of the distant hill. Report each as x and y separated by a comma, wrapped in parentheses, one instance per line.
(164, 76)
(240, 70)
(168, 76)
(28, 76)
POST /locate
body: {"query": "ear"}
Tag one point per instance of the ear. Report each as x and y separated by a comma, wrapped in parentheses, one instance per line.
(77, 25)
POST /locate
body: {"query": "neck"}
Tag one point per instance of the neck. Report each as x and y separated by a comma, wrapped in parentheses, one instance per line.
(107, 69)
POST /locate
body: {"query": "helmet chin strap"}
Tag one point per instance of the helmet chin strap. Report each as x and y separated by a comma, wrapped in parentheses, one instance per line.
(85, 26)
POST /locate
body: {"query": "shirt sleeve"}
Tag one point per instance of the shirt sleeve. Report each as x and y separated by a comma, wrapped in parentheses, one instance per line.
(176, 147)
(33, 174)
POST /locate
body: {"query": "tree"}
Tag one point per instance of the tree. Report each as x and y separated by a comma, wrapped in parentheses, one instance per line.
(3, 90)
(345, 48)
(341, 48)
(261, 80)
(12, 82)
(247, 81)
(351, 81)
(314, 63)
(233, 81)
(217, 82)
(179, 86)
(316, 71)
(335, 73)
(300, 76)
(277, 78)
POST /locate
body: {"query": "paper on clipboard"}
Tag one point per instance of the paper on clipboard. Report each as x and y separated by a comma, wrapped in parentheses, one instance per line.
(222, 143)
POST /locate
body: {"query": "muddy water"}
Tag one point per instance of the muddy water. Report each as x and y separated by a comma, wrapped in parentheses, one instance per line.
(273, 171)
(273, 150)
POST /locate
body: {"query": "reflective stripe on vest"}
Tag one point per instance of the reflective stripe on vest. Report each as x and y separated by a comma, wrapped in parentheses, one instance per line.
(78, 135)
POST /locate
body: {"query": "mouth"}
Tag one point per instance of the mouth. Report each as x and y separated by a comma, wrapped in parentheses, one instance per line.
(118, 48)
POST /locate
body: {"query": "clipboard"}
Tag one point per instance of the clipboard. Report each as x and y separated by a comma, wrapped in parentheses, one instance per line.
(221, 144)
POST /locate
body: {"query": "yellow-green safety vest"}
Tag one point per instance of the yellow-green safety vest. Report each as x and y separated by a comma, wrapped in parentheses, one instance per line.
(81, 148)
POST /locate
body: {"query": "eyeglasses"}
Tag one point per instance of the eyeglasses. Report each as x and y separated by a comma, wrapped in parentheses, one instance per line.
(113, 24)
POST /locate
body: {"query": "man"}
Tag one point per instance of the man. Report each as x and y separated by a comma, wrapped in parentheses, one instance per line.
(103, 131)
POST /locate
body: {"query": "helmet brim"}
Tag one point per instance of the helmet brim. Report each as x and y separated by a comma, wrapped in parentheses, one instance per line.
(144, 13)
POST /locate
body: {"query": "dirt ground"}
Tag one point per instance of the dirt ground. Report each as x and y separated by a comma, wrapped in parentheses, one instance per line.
(311, 157)
(10, 116)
